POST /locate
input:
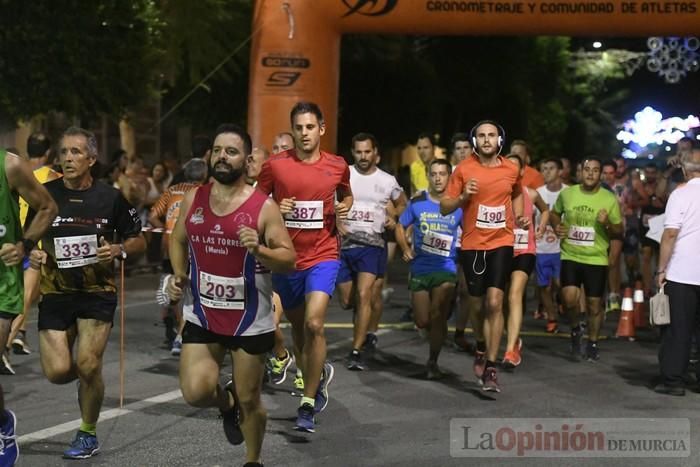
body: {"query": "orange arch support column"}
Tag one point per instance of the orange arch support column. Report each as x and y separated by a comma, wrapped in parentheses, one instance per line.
(295, 56)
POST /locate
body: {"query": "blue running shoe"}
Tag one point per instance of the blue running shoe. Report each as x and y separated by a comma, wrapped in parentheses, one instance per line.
(83, 446)
(321, 400)
(9, 450)
(305, 419)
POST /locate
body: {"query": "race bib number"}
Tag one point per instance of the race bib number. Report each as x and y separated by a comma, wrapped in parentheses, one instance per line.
(305, 215)
(224, 293)
(521, 238)
(361, 216)
(491, 217)
(437, 243)
(75, 251)
(581, 236)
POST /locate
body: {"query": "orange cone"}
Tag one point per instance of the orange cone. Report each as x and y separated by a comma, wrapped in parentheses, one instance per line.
(639, 306)
(625, 327)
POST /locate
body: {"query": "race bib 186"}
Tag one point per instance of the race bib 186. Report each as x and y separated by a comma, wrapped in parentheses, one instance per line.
(491, 217)
(224, 293)
(305, 215)
(437, 243)
(75, 251)
(581, 236)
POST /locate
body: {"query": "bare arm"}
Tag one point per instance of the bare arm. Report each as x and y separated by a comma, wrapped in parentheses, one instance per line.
(544, 212)
(178, 250)
(408, 253)
(668, 242)
(21, 179)
(277, 254)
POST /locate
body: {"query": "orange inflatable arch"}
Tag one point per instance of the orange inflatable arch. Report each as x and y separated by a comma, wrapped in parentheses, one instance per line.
(296, 43)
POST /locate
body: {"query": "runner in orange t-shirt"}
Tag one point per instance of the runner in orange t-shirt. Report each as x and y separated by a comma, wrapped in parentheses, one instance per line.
(531, 177)
(488, 189)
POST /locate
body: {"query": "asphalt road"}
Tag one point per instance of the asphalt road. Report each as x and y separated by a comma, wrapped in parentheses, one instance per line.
(389, 415)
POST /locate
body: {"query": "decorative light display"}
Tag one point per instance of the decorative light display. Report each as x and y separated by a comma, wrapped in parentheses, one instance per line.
(649, 127)
(673, 57)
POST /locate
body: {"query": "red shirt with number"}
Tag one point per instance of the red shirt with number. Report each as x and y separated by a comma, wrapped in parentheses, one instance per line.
(314, 186)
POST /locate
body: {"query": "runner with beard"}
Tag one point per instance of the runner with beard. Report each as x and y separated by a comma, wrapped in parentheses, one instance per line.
(236, 237)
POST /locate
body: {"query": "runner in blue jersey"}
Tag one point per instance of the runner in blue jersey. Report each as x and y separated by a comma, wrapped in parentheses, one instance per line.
(433, 259)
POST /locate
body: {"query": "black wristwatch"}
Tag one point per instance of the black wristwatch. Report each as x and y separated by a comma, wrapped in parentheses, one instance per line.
(28, 245)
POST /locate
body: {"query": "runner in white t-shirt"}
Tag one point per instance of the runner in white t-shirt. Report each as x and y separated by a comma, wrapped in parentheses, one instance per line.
(548, 260)
(362, 254)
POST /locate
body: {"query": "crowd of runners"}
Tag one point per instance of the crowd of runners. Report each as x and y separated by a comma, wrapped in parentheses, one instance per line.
(251, 237)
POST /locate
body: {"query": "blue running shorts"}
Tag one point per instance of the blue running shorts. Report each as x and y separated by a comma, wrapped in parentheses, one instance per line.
(293, 287)
(361, 259)
(548, 267)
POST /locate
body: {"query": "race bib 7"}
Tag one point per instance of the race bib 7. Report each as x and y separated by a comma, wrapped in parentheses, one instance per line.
(521, 238)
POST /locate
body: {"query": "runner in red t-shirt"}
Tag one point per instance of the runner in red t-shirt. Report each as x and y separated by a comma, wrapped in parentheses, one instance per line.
(488, 189)
(305, 182)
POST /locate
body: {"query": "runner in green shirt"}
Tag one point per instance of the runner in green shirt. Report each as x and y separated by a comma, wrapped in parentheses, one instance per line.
(584, 217)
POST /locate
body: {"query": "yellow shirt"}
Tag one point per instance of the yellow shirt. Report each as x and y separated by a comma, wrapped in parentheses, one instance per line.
(42, 174)
(419, 177)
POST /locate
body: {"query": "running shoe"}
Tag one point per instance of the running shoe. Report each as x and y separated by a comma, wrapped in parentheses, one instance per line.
(5, 366)
(19, 346)
(355, 362)
(299, 381)
(479, 365)
(462, 344)
(387, 293)
(321, 400)
(231, 420)
(176, 349)
(278, 368)
(614, 302)
(490, 380)
(253, 464)
(83, 446)
(592, 352)
(433, 371)
(305, 419)
(513, 357)
(9, 450)
(552, 327)
(370, 344)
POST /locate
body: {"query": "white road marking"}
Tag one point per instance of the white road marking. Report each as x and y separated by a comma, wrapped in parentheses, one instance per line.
(73, 425)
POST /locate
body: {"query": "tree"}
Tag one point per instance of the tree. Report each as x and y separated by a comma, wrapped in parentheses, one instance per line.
(77, 57)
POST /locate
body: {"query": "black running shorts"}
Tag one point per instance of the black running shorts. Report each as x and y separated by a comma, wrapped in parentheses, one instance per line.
(524, 263)
(486, 268)
(253, 345)
(593, 277)
(61, 311)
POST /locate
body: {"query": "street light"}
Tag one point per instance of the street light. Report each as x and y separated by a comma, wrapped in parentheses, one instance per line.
(597, 45)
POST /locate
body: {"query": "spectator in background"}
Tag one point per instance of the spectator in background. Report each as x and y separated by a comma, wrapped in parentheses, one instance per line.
(201, 149)
(566, 171)
(156, 183)
(460, 148)
(531, 177)
(678, 261)
(419, 172)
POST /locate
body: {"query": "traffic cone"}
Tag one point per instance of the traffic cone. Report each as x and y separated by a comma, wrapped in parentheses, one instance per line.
(639, 306)
(625, 327)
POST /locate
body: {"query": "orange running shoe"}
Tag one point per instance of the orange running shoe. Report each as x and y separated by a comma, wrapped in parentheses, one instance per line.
(552, 327)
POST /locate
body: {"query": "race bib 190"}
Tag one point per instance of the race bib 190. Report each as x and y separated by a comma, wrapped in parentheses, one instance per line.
(437, 243)
(491, 217)
(521, 238)
(75, 251)
(224, 293)
(305, 215)
(581, 236)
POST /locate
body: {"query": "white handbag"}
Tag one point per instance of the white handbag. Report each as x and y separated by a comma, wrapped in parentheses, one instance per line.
(659, 309)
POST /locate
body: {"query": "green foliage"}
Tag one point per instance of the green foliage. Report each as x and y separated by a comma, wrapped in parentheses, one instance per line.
(78, 57)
